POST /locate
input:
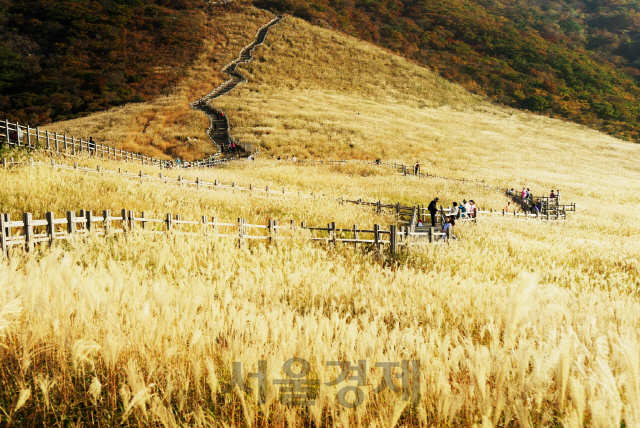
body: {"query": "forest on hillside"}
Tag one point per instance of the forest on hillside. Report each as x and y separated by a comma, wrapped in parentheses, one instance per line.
(578, 60)
(61, 59)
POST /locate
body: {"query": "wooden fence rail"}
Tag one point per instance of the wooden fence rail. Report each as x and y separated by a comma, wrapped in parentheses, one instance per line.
(16, 135)
(400, 210)
(27, 231)
(198, 183)
(408, 170)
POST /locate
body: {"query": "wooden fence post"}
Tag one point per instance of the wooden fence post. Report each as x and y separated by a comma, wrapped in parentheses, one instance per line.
(379, 207)
(271, 231)
(169, 222)
(28, 231)
(432, 231)
(124, 221)
(333, 234)
(143, 220)
(6, 132)
(88, 223)
(3, 232)
(376, 236)
(51, 227)
(393, 229)
(355, 236)
(106, 222)
(204, 225)
(275, 232)
(71, 222)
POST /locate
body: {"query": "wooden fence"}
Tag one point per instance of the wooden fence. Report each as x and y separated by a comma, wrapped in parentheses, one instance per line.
(549, 204)
(267, 191)
(16, 135)
(400, 168)
(27, 232)
(411, 214)
(546, 205)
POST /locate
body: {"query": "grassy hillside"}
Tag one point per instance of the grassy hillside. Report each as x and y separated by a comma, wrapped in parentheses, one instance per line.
(144, 330)
(517, 324)
(578, 60)
(166, 127)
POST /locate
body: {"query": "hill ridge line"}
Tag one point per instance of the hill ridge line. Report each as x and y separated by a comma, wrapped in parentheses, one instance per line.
(219, 131)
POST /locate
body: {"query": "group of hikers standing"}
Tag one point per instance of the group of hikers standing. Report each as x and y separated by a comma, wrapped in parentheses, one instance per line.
(464, 210)
(527, 200)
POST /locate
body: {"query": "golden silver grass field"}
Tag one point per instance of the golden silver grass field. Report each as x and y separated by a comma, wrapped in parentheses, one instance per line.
(518, 324)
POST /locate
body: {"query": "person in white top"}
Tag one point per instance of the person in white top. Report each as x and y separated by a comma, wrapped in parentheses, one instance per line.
(453, 212)
(467, 209)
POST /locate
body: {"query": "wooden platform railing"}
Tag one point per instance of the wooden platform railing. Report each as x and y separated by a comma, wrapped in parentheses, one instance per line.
(27, 231)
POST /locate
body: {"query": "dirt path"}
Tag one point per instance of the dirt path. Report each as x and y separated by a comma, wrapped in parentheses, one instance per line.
(219, 131)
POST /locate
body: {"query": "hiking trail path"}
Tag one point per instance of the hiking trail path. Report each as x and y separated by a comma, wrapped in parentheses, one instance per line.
(219, 131)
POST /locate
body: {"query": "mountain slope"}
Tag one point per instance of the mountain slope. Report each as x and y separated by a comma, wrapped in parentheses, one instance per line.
(63, 59)
(575, 60)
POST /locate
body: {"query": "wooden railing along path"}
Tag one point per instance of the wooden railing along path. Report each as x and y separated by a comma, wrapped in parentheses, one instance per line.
(551, 207)
(20, 136)
(400, 210)
(28, 231)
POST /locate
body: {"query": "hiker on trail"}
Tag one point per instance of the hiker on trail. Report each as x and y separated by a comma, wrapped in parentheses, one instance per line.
(558, 195)
(229, 146)
(472, 209)
(455, 211)
(433, 209)
(448, 227)
(539, 205)
(233, 147)
(528, 193)
(467, 209)
(535, 210)
(524, 194)
(461, 210)
(552, 195)
(377, 161)
(91, 145)
(416, 169)
(507, 209)
(293, 159)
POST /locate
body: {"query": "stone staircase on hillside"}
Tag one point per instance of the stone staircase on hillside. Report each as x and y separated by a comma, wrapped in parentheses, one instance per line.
(219, 131)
